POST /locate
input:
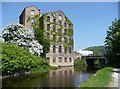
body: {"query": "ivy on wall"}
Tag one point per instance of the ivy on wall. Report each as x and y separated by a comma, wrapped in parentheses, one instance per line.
(69, 31)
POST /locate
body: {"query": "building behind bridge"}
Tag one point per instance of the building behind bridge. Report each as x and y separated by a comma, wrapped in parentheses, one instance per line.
(60, 31)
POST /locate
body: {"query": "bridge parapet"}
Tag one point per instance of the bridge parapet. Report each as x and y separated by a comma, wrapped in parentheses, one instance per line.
(93, 57)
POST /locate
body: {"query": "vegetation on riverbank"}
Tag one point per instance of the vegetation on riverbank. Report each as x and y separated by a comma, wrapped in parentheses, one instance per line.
(42, 69)
(78, 62)
(102, 78)
(112, 44)
(17, 60)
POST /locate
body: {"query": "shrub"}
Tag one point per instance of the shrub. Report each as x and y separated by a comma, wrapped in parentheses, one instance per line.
(79, 62)
(18, 60)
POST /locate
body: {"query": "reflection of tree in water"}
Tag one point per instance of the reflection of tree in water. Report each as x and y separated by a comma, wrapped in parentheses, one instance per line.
(23, 80)
(64, 77)
(80, 68)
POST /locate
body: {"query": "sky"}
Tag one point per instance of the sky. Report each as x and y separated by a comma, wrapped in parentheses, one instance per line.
(91, 20)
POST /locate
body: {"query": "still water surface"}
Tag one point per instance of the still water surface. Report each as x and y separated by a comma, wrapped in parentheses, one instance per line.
(64, 77)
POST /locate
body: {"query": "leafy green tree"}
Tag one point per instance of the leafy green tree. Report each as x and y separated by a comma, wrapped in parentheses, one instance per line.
(43, 40)
(17, 60)
(40, 36)
(78, 62)
(112, 43)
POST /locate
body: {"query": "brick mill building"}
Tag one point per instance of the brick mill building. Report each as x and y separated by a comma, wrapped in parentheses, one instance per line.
(60, 31)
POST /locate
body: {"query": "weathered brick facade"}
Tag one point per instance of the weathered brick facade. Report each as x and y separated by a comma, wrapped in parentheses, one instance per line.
(27, 16)
(60, 31)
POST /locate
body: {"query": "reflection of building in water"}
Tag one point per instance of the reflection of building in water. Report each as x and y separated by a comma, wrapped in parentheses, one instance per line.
(61, 77)
(81, 76)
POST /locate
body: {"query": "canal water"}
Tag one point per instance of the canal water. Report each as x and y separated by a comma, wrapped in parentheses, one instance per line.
(63, 77)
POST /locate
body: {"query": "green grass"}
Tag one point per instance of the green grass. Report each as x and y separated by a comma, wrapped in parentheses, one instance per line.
(42, 69)
(102, 78)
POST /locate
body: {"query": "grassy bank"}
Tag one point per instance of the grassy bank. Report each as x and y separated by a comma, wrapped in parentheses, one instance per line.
(101, 79)
(42, 69)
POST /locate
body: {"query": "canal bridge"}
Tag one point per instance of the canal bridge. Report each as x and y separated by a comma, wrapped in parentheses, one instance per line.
(90, 59)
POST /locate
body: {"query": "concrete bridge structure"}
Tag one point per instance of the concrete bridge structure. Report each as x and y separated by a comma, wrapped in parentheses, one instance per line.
(90, 59)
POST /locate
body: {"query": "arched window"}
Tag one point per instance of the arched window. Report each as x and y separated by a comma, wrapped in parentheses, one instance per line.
(70, 50)
(60, 17)
(54, 20)
(60, 31)
(65, 39)
(54, 28)
(48, 27)
(54, 38)
(48, 19)
(65, 59)
(32, 20)
(48, 35)
(60, 59)
(65, 31)
(54, 59)
(60, 22)
(54, 73)
(32, 29)
(60, 39)
(54, 49)
(65, 24)
(48, 58)
(69, 25)
(70, 60)
(60, 49)
(70, 71)
(65, 50)
(32, 12)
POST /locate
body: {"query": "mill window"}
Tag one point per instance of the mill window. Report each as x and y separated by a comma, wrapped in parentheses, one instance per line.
(54, 28)
(60, 59)
(65, 59)
(70, 50)
(65, 50)
(54, 20)
(70, 60)
(54, 49)
(65, 24)
(65, 31)
(48, 19)
(32, 12)
(54, 38)
(48, 27)
(60, 49)
(32, 20)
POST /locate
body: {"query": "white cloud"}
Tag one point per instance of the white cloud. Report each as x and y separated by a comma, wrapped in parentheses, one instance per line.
(85, 52)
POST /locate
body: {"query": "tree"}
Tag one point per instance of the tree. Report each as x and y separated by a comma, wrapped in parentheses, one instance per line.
(43, 40)
(18, 60)
(112, 43)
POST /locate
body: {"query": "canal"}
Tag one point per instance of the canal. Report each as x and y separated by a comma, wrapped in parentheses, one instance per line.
(63, 77)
